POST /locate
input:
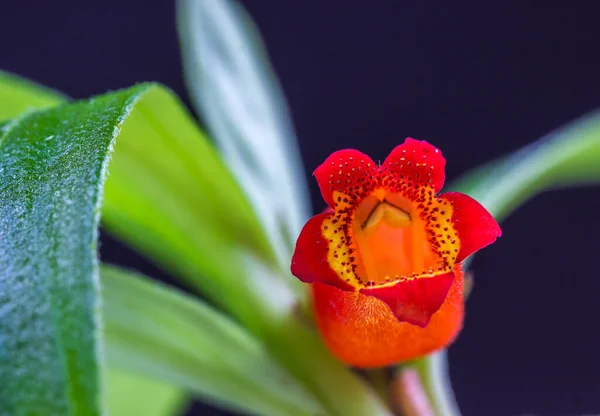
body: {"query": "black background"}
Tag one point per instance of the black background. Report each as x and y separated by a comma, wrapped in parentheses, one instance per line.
(477, 80)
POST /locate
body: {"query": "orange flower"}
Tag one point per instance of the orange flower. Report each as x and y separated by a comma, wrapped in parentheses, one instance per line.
(385, 259)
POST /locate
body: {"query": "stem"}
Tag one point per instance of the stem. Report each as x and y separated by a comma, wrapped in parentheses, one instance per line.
(433, 371)
(302, 352)
(379, 379)
(408, 395)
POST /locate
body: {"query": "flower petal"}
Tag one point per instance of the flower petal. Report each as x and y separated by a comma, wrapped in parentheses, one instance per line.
(416, 300)
(348, 172)
(309, 262)
(362, 331)
(417, 160)
(475, 226)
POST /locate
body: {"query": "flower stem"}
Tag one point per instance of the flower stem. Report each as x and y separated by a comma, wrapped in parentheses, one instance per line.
(408, 395)
(379, 380)
(433, 371)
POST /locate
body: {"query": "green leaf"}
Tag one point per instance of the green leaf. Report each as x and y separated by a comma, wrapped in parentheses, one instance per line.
(52, 164)
(130, 394)
(233, 87)
(170, 196)
(194, 347)
(19, 95)
(564, 158)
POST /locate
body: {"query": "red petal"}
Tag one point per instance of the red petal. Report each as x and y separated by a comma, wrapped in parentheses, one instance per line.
(309, 262)
(346, 171)
(417, 160)
(475, 226)
(414, 301)
(362, 331)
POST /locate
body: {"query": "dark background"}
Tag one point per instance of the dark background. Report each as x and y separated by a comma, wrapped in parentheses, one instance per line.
(476, 80)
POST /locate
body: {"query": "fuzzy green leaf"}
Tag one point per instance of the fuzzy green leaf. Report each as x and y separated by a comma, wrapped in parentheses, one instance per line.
(18, 95)
(52, 164)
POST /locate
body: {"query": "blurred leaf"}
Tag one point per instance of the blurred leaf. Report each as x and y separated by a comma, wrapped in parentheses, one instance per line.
(564, 158)
(170, 196)
(18, 95)
(52, 164)
(194, 347)
(235, 90)
(130, 394)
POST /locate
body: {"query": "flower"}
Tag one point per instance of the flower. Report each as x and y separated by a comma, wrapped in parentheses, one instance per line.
(385, 258)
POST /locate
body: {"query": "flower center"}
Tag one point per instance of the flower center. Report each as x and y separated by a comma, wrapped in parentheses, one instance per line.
(391, 240)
